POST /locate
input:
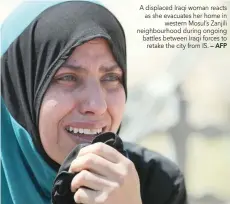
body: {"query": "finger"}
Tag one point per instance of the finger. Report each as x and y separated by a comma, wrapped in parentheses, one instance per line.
(103, 150)
(94, 164)
(89, 180)
(85, 196)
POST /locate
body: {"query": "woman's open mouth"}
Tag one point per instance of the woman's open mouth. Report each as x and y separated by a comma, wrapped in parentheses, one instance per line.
(82, 135)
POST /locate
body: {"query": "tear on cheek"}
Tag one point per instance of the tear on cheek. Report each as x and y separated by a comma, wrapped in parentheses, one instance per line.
(49, 104)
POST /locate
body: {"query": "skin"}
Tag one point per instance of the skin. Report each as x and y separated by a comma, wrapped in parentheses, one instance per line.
(87, 91)
(86, 95)
(110, 177)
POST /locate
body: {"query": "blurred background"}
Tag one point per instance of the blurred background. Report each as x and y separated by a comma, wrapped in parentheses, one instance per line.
(178, 100)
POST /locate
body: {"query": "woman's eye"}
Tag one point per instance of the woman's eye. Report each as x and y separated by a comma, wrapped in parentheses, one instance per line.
(68, 78)
(112, 78)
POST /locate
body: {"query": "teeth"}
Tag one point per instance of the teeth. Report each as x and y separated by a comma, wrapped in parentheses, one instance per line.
(84, 131)
(75, 130)
(94, 131)
(81, 130)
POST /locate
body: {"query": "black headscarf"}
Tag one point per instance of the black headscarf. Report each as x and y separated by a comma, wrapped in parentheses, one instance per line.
(33, 58)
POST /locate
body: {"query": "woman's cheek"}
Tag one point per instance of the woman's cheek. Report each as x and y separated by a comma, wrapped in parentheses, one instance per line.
(54, 107)
(116, 106)
(59, 99)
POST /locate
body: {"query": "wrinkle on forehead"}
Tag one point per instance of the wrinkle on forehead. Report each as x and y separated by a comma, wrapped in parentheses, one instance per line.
(94, 51)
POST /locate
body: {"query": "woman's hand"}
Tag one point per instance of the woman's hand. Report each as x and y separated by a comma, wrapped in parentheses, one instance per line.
(105, 176)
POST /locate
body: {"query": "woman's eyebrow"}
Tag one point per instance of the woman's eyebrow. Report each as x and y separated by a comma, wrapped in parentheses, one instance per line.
(112, 68)
(74, 67)
(106, 69)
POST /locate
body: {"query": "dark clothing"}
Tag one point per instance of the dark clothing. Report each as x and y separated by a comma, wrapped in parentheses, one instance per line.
(160, 180)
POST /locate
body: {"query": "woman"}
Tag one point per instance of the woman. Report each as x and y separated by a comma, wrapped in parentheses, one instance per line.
(64, 81)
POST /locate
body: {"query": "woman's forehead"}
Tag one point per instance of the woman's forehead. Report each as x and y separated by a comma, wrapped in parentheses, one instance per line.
(92, 44)
(96, 50)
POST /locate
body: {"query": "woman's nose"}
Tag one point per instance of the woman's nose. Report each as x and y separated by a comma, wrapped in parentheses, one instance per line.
(93, 100)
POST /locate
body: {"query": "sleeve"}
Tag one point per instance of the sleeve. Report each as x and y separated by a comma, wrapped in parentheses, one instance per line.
(179, 194)
(161, 181)
(164, 183)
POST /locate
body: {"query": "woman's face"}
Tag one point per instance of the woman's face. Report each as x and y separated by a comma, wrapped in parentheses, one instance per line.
(85, 97)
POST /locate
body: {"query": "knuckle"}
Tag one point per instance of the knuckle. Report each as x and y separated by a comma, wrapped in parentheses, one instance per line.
(77, 195)
(121, 180)
(89, 160)
(82, 151)
(125, 170)
(130, 166)
(82, 176)
(98, 147)
(116, 185)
